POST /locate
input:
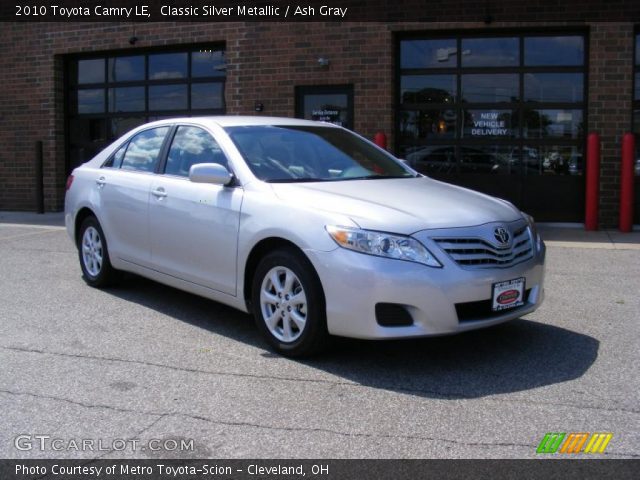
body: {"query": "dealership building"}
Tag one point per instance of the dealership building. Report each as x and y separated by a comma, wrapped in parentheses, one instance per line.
(501, 107)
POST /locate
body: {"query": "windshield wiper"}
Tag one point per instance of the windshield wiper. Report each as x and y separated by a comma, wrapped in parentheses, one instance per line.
(297, 180)
(379, 177)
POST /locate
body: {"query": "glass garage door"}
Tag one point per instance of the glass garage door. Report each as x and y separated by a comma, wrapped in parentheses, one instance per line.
(499, 113)
(108, 94)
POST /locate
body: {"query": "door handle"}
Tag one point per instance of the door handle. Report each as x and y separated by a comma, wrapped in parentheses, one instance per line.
(159, 192)
(101, 182)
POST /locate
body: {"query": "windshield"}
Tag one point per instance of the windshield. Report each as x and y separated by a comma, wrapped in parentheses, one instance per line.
(311, 154)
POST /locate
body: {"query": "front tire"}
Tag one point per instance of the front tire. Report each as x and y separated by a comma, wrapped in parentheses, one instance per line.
(288, 304)
(94, 255)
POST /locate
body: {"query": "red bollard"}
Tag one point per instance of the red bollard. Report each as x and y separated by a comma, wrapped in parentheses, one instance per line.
(592, 182)
(380, 139)
(626, 182)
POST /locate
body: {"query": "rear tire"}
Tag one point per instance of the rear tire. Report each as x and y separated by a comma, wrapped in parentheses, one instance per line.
(94, 255)
(288, 304)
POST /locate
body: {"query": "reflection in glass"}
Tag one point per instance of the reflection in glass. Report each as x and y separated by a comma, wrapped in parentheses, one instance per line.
(208, 63)
(564, 51)
(493, 159)
(120, 126)
(428, 88)
(126, 69)
(91, 71)
(143, 150)
(431, 159)
(423, 124)
(555, 160)
(501, 87)
(167, 65)
(490, 52)
(489, 124)
(190, 146)
(638, 49)
(207, 95)
(428, 53)
(91, 100)
(553, 87)
(126, 99)
(553, 124)
(168, 97)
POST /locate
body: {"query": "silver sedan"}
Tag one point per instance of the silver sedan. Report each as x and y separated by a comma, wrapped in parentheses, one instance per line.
(308, 226)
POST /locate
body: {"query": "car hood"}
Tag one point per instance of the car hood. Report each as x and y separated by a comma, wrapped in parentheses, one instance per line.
(404, 205)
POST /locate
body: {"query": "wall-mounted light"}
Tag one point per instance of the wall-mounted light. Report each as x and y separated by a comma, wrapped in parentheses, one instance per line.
(323, 62)
(259, 106)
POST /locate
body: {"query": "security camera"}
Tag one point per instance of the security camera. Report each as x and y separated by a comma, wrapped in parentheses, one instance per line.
(133, 40)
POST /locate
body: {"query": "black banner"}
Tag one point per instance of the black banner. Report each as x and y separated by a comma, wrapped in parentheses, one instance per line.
(547, 469)
(486, 12)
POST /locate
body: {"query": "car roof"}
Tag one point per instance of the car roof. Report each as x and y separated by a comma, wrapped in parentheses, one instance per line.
(242, 121)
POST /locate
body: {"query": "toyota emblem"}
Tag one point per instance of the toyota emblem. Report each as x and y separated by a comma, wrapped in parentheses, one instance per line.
(502, 235)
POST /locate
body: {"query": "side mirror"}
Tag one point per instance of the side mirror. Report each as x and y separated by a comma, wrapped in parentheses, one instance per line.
(213, 173)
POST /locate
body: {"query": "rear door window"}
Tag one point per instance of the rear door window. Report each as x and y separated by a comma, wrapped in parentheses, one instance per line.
(143, 151)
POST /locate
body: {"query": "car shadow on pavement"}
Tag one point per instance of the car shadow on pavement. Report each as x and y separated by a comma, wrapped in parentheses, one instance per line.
(511, 357)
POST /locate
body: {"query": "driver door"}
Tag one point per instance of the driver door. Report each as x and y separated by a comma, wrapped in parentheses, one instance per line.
(194, 226)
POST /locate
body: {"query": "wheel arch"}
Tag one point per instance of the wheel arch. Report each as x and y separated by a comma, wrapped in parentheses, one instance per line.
(81, 216)
(262, 248)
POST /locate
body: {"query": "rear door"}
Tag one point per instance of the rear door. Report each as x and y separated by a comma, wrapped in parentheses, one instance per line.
(194, 226)
(124, 193)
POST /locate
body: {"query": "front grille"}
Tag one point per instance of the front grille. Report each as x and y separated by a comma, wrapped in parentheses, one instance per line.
(481, 310)
(475, 252)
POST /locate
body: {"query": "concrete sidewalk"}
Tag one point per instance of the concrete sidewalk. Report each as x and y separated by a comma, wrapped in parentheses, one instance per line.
(555, 235)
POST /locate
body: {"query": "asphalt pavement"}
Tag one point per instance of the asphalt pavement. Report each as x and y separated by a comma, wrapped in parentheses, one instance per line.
(144, 362)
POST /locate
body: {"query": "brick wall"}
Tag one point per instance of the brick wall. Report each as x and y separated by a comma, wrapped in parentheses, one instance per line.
(265, 63)
(610, 113)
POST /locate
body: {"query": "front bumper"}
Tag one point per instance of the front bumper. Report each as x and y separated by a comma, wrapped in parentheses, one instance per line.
(354, 283)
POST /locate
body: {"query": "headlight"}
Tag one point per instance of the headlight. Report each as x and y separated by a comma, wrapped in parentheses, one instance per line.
(382, 244)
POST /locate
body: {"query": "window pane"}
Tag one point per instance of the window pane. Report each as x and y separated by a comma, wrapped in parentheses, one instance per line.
(553, 124)
(126, 69)
(432, 159)
(489, 159)
(637, 87)
(143, 150)
(190, 146)
(207, 63)
(91, 100)
(428, 53)
(167, 65)
(490, 88)
(168, 97)
(636, 124)
(554, 160)
(327, 107)
(554, 50)
(490, 52)
(427, 124)
(489, 124)
(127, 99)
(553, 87)
(207, 95)
(120, 126)
(637, 49)
(428, 89)
(91, 71)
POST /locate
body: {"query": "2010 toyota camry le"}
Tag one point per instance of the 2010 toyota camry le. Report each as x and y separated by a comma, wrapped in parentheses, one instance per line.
(310, 227)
